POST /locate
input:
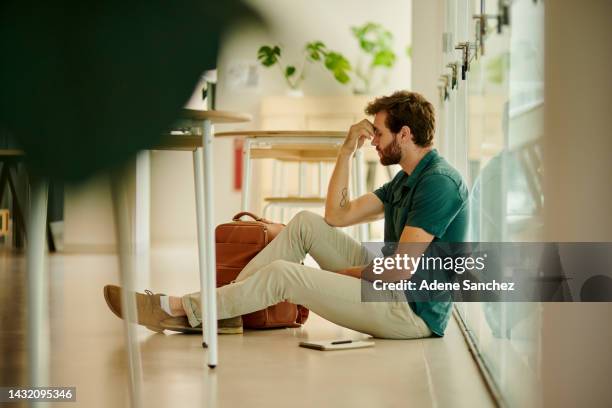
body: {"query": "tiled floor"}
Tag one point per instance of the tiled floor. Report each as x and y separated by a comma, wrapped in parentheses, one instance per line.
(259, 368)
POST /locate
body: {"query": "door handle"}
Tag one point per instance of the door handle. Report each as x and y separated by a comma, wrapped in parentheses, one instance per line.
(465, 47)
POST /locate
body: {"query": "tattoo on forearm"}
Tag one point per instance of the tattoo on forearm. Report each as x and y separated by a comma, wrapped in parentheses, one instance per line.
(344, 198)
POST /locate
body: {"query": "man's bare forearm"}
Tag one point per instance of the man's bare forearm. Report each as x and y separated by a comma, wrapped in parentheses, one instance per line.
(338, 201)
(337, 192)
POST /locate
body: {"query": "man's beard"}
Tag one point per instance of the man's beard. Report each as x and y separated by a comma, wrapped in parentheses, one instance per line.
(391, 154)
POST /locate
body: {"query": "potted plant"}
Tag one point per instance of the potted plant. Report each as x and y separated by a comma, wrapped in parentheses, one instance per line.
(314, 52)
(376, 43)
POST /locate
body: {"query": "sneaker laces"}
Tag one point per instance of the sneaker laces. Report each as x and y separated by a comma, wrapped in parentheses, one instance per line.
(150, 302)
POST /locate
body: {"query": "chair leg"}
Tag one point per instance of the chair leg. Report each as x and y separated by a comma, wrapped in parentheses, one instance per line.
(50, 240)
(125, 249)
(19, 224)
(265, 210)
(246, 174)
(3, 180)
(302, 179)
(19, 227)
(38, 319)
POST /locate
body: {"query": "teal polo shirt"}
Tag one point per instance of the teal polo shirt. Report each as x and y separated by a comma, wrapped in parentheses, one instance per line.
(434, 198)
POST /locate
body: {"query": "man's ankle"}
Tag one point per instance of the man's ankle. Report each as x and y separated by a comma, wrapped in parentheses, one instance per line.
(172, 305)
(176, 306)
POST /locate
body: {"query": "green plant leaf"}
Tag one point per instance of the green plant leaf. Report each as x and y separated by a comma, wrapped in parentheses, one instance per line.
(373, 38)
(377, 42)
(335, 60)
(316, 50)
(384, 38)
(370, 27)
(339, 66)
(289, 71)
(268, 56)
(384, 58)
(366, 45)
(342, 77)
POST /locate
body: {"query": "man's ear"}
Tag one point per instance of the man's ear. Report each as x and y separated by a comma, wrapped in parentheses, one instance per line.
(406, 134)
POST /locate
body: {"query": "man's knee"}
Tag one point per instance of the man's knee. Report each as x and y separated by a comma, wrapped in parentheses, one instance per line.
(278, 265)
(306, 219)
(278, 274)
(278, 269)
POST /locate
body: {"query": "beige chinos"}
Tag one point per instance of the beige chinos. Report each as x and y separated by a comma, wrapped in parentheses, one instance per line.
(276, 274)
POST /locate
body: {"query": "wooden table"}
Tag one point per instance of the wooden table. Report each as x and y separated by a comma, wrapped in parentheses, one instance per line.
(297, 145)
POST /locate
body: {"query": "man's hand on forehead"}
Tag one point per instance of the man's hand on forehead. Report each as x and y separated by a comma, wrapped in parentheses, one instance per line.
(357, 135)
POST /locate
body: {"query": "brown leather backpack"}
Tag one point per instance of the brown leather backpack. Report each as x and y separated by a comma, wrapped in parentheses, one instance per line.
(237, 242)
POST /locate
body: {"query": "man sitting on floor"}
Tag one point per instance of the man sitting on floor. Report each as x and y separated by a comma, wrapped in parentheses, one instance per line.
(426, 201)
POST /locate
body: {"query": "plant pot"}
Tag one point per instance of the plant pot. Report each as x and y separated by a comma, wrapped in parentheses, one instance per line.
(295, 93)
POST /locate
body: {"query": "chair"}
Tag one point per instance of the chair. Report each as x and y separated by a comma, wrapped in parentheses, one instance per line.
(10, 159)
(281, 199)
(300, 146)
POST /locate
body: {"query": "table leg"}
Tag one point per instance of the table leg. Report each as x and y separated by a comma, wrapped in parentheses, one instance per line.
(198, 173)
(211, 283)
(38, 288)
(246, 174)
(127, 271)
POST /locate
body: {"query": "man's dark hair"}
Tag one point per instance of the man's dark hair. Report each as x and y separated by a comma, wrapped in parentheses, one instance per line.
(410, 109)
